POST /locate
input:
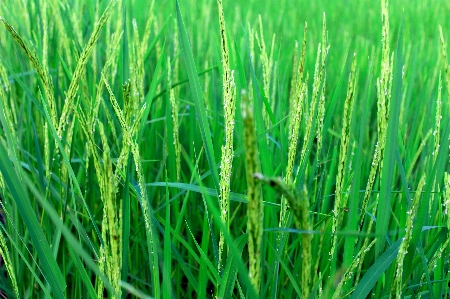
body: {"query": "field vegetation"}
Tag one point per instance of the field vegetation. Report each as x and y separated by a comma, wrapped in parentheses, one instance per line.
(235, 149)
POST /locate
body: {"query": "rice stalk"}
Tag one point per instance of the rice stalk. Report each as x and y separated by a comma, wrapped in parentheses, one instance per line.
(293, 82)
(418, 153)
(317, 274)
(176, 63)
(138, 79)
(38, 66)
(267, 64)
(149, 227)
(70, 103)
(321, 108)
(129, 131)
(58, 9)
(101, 266)
(4, 253)
(397, 286)
(340, 197)
(299, 204)
(319, 71)
(437, 136)
(435, 259)
(251, 44)
(384, 87)
(437, 129)
(148, 29)
(84, 56)
(229, 106)
(445, 60)
(350, 270)
(130, 128)
(158, 51)
(174, 108)
(75, 21)
(255, 209)
(43, 14)
(299, 96)
(119, 113)
(112, 53)
(111, 221)
(321, 117)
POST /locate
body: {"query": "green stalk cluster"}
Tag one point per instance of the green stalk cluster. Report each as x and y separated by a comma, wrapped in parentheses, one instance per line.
(296, 100)
(341, 198)
(351, 268)
(174, 108)
(229, 106)
(4, 251)
(321, 104)
(299, 205)
(384, 87)
(397, 286)
(255, 211)
(267, 64)
(315, 108)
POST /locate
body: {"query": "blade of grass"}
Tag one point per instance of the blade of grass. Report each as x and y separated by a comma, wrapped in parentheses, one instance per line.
(29, 266)
(39, 160)
(44, 111)
(181, 82)
(135, 292)
(425, 270)
(82, 272)
(349, 246)
(167, 271)
(66, 160)
(387, 175)
(197, 96)
(126, 222)
(375, 271)
(430, 250)
(422, 213)
(338, 92)
(195, 188)
(50, 268)
(150, 97)
(229, 275)
(71, 240)
(242, 270)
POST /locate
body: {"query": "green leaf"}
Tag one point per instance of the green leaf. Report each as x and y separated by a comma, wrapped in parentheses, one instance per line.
(65, 231)
(209, 191)
(126, 218)
(375, 271)
(387, 175)
(50, 268)
(349, 246)
(230, 273)
(167, 271)
(197, 96)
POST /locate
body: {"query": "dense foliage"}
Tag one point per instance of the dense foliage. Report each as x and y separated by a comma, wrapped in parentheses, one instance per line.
(271, 149)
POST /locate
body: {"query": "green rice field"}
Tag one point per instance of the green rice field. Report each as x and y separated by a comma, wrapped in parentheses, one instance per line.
(224, 149)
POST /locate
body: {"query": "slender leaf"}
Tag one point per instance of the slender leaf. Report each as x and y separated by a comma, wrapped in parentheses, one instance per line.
(375, 271)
